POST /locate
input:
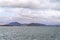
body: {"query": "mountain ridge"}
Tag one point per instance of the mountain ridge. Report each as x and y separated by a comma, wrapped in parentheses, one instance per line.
(19, 24)
(30, 24)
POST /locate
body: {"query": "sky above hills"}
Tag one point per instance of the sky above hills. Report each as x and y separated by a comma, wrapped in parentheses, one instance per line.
(28, 11)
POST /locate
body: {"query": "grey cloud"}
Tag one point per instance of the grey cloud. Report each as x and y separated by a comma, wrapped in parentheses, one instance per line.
(57, 3)
(34, 4)
(55, 0)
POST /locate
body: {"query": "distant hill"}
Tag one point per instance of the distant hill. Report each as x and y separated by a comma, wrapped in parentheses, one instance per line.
(19, 24)
(36, 24)
(13, 24)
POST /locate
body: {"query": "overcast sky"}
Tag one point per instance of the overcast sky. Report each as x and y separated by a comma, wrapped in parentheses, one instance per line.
(28, 11)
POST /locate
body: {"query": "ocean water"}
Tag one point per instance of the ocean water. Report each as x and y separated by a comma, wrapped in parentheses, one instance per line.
(29, 33)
